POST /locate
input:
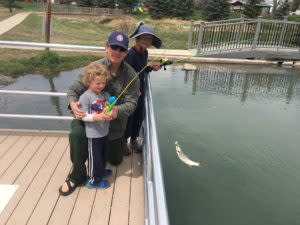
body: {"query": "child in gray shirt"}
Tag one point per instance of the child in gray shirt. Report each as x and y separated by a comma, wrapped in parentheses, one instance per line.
(93, 101)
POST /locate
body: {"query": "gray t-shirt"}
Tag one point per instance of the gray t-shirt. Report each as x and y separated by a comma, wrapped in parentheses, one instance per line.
(93, 103)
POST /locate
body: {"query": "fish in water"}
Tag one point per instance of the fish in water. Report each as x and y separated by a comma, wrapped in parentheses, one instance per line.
(183, 157)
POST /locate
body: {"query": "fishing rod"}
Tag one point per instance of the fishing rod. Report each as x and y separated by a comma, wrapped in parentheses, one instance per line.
(113, 100)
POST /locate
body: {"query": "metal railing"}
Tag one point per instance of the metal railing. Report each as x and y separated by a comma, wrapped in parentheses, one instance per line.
(50, 45)
(154, 192)
(156, 212)
(244, 34)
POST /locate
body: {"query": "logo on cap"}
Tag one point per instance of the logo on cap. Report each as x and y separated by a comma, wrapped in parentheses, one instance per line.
(120, 37)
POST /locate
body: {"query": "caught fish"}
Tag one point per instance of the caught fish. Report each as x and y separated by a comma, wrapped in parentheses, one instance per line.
(183, 156)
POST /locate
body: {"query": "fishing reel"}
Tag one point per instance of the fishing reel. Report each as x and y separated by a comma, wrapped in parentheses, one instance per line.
(165, 62)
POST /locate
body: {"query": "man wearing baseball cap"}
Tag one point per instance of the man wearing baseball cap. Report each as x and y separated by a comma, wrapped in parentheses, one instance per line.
(121, 73)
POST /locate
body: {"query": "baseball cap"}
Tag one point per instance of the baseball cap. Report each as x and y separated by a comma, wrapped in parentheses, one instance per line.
(119, 39)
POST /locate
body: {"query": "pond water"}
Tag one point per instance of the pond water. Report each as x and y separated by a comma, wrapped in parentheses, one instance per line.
(240, 122)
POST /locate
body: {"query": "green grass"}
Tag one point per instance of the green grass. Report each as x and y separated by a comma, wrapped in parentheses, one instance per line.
(41, 62)
(88, 31)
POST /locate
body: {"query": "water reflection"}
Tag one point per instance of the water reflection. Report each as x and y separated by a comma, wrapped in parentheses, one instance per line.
(53, 99)
(282, 84)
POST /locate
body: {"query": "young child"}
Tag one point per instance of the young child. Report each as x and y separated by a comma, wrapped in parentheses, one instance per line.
(137, 57)
(94, 100)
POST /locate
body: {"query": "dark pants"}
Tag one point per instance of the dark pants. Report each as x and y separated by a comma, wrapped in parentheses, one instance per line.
(79, 152)
(97, 158)
(135, 121)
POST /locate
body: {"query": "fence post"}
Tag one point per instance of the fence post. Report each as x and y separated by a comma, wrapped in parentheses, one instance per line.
(191, 34)
(283, 30)
(257, 31)
(200, 37)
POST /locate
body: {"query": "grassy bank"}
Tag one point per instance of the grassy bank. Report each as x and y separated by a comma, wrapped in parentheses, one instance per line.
(94, 30)
(27, 61)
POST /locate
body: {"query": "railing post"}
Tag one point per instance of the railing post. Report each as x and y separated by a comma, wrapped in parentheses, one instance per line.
(283, 30)
(191, 34)
(257, 31)
(241, 28)
(200, 37)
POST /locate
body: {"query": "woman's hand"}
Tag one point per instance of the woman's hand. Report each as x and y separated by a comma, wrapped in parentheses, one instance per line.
(78, 113)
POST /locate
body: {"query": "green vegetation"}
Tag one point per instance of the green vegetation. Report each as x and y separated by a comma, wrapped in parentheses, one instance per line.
(46, 62)
(215, 9)
(89, 31)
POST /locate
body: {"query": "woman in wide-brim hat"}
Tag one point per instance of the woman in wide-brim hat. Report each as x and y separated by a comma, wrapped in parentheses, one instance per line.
(137, 57)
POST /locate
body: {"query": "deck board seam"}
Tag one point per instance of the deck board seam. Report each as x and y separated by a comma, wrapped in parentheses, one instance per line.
(9, 146)
(62, 155)
(55, 205)
(112, 196)
(71, 213)
(15, 157)
(30, 183)
(130, 183)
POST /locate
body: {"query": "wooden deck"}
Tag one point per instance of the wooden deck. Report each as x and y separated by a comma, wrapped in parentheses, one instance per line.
(39, 162)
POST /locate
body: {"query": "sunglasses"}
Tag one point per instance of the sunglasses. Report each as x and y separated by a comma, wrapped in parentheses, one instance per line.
(117, 47)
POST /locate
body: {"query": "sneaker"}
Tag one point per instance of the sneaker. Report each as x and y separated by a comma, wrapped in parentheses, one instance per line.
(136, 146)
(127, 151)
(107, 173)
(103, 184)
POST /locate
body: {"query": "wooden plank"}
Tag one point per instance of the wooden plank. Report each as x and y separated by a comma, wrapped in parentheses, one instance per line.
(120, 205)
(44, 208)
(11, 174)
(83, 206)
(33, 193)
(63, 209)
(136, 210)
(7, 159)
(2, 137)
(7, 143)
(103, 200)
(24, 169)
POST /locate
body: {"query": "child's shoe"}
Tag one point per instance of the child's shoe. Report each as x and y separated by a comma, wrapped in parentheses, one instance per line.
(103, 184)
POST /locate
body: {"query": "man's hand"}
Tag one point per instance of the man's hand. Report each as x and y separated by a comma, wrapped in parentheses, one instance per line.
(78, 113)
(114, 112)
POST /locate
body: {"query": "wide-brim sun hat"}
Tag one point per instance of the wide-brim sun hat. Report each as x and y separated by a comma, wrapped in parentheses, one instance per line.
(143, 28)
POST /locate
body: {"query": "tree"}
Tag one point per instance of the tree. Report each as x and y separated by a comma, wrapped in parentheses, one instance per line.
(251, 9)
(215, 9)
(282, 11)
(295, 5)
(104, 3)
(10, 4)
(159, 8)
(183, 8)
(85, 3)
(127, 4)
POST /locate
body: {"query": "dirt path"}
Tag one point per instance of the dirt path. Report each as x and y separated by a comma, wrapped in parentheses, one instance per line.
(11, 22)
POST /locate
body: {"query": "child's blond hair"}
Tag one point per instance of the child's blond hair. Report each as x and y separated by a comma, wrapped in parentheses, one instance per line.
(93, 70)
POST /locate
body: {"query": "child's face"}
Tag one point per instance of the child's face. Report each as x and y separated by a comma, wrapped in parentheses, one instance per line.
(98, 84)
(144, 41)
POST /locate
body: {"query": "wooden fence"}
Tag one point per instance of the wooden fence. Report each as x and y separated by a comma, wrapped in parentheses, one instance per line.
(75, 10)
(243, 34)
